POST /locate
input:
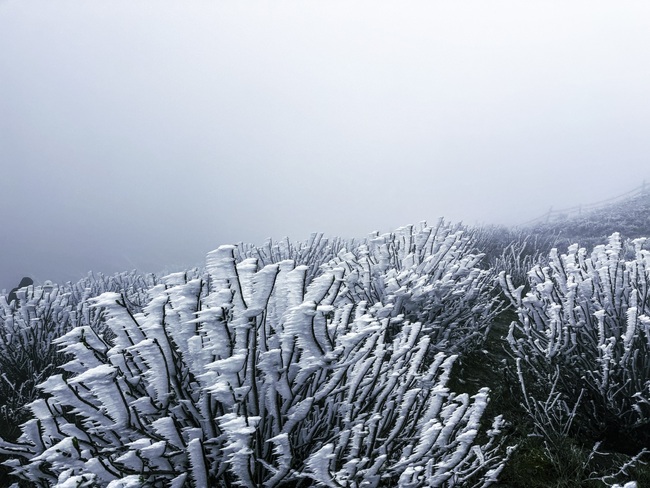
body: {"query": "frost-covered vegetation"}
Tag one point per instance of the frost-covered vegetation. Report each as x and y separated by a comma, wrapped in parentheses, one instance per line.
(584, 330)
(267, 371)
(30, 326)
(581, 346)
(340, 363)
(629, 217)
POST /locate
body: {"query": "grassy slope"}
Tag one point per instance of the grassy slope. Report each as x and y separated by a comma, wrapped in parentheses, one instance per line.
(630, 217)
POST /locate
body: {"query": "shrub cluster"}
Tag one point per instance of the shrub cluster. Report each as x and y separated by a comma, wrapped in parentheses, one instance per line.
(30, 325)
(329, 363)
(276, 375)
(587, 316)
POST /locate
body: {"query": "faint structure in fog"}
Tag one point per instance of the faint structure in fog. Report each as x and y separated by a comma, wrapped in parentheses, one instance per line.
(26, 281)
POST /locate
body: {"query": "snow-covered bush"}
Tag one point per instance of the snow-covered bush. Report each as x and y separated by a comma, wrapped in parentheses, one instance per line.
(429, 275)
(29, 328)
(132, 285)
(516, 260)
(28, 354)
(313, 253)
(254, 376)
(582, 339)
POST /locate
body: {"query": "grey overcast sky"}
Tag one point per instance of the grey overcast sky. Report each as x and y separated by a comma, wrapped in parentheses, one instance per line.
(142, 134)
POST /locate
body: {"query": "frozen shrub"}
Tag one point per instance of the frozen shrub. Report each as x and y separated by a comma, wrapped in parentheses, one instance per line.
(28, 354)
(498, 242)
(429, 275)
(414, 269)
(253, 376)
(132, 285)
(313, 253)
(582, 339)
(29, 328)
(516, 260)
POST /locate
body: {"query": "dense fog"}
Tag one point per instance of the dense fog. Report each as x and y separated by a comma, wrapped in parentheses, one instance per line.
(143, 135)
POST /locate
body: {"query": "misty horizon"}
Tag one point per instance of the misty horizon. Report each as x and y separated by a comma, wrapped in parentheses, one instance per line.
(150, 267)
